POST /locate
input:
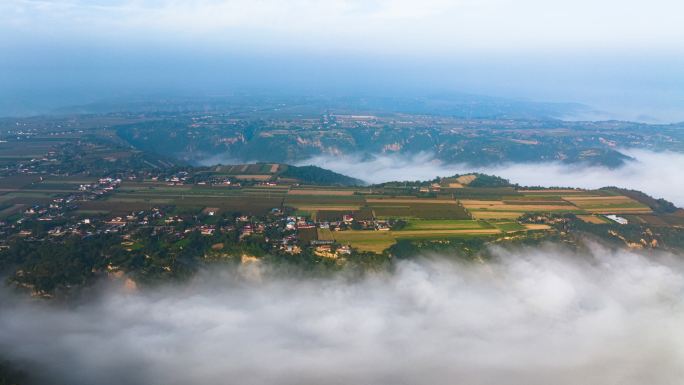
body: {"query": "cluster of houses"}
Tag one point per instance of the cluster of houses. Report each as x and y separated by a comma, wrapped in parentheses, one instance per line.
(175, 179)
(101, 187)
(285, 232)
(57, 209)
(294, 223)
(434, 187)
(32, 166)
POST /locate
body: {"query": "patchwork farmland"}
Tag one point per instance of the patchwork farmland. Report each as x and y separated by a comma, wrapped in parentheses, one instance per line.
(440, 216)
(451, 209)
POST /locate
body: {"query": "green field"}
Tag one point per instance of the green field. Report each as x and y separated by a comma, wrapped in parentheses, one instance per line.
(442, 224)
(418, 210)
(508, 226)
(374, 241)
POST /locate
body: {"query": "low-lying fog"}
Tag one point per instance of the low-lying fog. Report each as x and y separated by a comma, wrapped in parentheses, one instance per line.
(538, 316)
(651, 172)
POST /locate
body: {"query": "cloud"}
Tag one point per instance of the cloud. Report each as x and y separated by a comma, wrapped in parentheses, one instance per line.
(652, 172)
(534, 316)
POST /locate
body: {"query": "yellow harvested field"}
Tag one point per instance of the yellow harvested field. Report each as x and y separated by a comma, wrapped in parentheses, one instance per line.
(612, 199)
(495, 214)
(620, 210)
(377, 241)
(534, 226)
(462, 224)
(550, 191)
(454, 185)
(274, 168)
(321, 192)
(373, 241)
(466, 179)
(480, 202)
(253, 177)
(373, 246)
(502, 206)
(537, 207)
(618, 204)
(414, 200)
(591, 219)
(537, 201)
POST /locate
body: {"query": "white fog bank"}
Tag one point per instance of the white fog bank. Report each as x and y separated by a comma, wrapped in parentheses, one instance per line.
(542, 316)
(658, 174)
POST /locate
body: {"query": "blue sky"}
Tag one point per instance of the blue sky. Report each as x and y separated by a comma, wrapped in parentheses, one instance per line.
(625, 57)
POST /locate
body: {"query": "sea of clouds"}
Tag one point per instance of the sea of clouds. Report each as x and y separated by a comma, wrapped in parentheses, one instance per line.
(532, 316)
(656, 173)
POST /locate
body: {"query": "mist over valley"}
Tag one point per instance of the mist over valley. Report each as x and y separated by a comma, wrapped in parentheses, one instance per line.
(527, 316)
(341, 192)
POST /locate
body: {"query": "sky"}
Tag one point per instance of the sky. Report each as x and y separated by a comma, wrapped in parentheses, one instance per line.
(624, 57)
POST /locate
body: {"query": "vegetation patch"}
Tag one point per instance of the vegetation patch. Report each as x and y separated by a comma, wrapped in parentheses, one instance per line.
(446, 224)
(509, 226)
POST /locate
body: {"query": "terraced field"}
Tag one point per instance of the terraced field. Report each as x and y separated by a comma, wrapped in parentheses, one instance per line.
(608, 204)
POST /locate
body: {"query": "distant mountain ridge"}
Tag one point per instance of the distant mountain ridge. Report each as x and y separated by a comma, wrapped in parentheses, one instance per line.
(461, 105)
(200, 138)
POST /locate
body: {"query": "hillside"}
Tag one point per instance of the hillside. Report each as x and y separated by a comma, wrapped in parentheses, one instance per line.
(287, 139)
(319, 176)
(273, 172)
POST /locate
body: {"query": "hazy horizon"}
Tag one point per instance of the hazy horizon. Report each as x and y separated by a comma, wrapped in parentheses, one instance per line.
(620, 58)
